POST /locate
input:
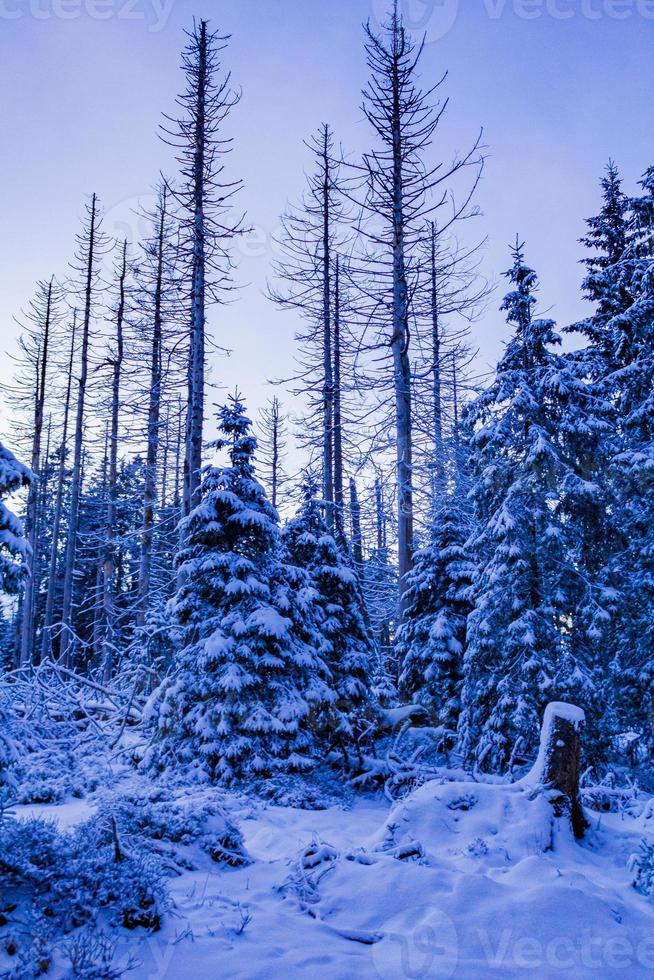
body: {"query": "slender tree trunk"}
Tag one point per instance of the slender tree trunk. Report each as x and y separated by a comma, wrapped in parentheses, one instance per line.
(27, 620)
(41, 510)
(339, 495)
(437, 398)
(379, 515)
(109, 562)
(195, 402)
(455, 416)
(48, 616)
(76, 479)
(275, 419)
(328, 380)
(355, 518)
(154, 417)
(400, 350)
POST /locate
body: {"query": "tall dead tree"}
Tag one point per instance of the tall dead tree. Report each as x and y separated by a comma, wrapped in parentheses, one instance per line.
(312, 233)
(271, 451)
(206, 200)
(337, 421)
(90, 244)
(117, 358)
(156, 253)
(37, 345)
(402, 193)
(48, 616)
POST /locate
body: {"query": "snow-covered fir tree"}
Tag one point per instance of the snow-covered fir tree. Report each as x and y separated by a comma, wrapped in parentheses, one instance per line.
(13, 544)
(239, 700)
(632, 388)
(432, 637)
(345, 643)
(526, 586)
(606, 284)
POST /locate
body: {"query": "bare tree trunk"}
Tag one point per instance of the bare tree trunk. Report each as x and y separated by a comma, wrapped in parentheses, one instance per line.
(154, 417)
(355, 518)
(48, 616)
(195, 403)
(339, 496)
(328, 380)
(275, 449)
(27, 620)
(76, 479)
(437, 398)
(380, 516)
(455, 415)
(109, 562)
(400, 349)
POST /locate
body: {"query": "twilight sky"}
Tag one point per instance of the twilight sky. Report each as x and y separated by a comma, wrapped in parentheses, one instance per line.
(558, 85)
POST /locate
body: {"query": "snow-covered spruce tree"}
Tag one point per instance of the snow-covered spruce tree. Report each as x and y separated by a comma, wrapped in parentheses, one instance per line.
(238, 700)
(632, 388)
(431, 639)
(345, 642)
(13, 544)
(606, 284)
(526, 587)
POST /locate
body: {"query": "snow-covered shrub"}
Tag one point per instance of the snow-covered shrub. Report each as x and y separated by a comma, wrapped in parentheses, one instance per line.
(609, 796)
(45, 737)
(641, 865)
(8, 754)
(68, 878)
(142, 822)
(91, 955)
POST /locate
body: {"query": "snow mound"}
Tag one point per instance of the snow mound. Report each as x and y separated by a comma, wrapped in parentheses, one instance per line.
(480, 879)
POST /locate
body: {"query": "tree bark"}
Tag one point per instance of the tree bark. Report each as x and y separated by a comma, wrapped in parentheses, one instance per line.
(561, 735)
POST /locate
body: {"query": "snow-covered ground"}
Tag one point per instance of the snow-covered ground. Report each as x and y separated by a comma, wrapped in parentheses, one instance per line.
(460, 879)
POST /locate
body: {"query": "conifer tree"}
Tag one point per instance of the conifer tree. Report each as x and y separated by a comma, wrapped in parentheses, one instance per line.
(431, 639)
(345, 643)
(605, 285)
(248, 677)
(526, 584)
(14, 548)
(632, 386)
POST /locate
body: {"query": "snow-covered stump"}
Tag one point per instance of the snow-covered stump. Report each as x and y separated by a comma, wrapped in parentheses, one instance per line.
(558, 761)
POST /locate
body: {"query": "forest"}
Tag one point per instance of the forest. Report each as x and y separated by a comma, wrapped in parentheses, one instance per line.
(407, 594)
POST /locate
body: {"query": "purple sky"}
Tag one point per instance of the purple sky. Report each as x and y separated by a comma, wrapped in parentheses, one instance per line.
(559, 86)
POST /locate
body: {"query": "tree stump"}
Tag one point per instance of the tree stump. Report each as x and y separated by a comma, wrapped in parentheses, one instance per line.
(559, 756)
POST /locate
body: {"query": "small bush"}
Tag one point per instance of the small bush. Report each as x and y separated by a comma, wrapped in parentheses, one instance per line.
(159, 817)
(642, 866)
(62, 881)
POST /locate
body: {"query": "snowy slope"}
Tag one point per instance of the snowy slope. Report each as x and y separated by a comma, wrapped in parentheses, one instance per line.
(460, 879)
